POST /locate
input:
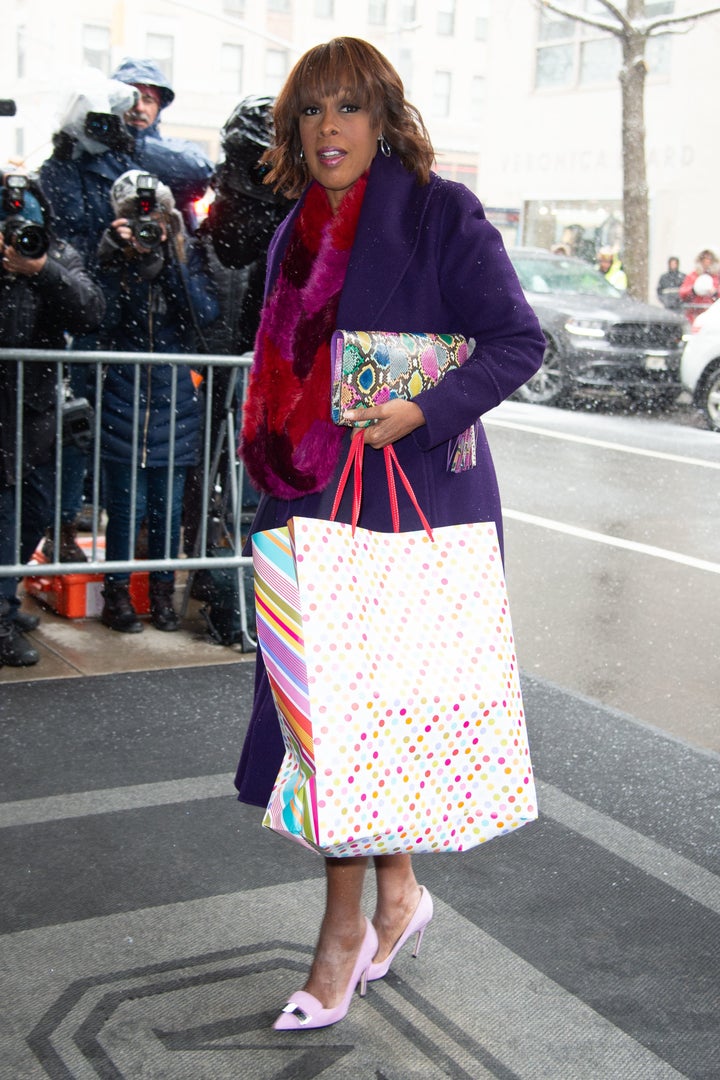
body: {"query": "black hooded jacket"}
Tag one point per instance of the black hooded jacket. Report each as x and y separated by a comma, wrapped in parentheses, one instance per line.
(37, 313)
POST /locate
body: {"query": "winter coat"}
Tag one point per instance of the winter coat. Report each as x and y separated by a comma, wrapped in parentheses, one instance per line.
(668, 289)
(694, 304)
(616, 275)
(79, 192)
(152, 314)
(425, 258)
(36, 313)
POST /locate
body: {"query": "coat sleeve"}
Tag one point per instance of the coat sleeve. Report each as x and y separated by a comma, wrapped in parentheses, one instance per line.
(67, 291)
(483, 299)
(176, 162)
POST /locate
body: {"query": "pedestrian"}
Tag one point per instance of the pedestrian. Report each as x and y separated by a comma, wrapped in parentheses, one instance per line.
(376, 241)
(45, 294)
(668, 286)
(159, 297)
(180, 164)
(611, 268)
(701, 287)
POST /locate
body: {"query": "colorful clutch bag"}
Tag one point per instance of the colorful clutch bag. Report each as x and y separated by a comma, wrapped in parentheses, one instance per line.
(370, 367)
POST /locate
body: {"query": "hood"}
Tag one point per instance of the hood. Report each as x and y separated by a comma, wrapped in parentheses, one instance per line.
(145, 73)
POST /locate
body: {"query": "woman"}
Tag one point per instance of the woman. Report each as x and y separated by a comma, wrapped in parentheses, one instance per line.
(159, 293)
(379, 242)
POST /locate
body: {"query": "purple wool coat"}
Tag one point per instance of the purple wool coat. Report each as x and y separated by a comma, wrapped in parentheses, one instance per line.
(424, 259)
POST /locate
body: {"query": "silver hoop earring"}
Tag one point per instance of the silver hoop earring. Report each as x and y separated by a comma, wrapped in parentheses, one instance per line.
(384, 148)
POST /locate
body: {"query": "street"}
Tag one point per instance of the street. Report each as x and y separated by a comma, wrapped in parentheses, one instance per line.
(613, 560)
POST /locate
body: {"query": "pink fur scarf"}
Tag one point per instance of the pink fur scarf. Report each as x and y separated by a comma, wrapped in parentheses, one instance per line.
(289, 443)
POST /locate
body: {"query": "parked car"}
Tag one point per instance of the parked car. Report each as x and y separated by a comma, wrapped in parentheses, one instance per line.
(700, 366)
(600, 342)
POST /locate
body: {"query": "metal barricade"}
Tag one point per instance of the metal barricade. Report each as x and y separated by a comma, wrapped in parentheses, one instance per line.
(210, 458)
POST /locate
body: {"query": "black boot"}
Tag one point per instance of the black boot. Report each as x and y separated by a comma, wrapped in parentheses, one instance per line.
(15, 649)
(162, 613)
(25, 621)
(118, 612)
(70, 550)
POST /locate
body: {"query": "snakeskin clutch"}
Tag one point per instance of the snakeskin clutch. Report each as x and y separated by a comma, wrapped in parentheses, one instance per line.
(370, 367)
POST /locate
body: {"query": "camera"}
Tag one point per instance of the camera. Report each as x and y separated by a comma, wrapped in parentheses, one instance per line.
(107, 129)
(77, 420)
(146, 230)
(28, 238)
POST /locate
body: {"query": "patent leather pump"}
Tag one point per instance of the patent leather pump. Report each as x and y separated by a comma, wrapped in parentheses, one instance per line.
(418, 924)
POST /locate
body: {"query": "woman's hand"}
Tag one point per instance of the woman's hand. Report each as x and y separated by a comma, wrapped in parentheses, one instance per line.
(388, 422)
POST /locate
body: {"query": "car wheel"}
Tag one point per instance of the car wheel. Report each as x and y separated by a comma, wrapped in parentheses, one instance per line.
(547, 386)
(710, 397)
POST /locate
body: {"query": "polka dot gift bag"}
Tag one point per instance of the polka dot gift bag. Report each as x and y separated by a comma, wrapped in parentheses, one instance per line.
(390, 746)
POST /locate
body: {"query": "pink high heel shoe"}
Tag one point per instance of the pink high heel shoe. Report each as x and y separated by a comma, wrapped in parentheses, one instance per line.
(305, 1011)
(421, 917)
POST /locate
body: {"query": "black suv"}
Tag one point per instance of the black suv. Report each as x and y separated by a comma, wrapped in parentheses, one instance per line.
(600, 342)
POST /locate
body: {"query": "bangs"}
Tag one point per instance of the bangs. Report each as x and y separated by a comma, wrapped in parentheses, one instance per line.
(332, 70)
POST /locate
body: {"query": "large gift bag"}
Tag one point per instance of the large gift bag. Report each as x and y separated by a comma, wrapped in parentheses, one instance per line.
(392, 663)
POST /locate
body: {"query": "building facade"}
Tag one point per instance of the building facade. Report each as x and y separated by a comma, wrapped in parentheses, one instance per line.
(523, 107)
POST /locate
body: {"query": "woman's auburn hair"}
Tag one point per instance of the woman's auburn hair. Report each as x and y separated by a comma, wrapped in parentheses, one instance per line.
(354, 67)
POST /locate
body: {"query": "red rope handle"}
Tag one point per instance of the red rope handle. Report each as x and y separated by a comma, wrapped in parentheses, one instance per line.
(355, 461)
(356, 451)
(390, 460)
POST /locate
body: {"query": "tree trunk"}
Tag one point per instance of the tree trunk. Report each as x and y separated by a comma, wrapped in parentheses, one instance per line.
(635, 189)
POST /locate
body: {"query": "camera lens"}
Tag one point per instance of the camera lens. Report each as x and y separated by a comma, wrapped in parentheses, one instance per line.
(29, 240)
(148, 233)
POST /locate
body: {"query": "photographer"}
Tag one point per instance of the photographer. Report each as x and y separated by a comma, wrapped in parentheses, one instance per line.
(179, 163)
(44, 294)
(159, 296)
(91, 149)
(235, 236)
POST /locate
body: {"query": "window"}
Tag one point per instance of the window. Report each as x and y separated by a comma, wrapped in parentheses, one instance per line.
(571, 53)
(446, 17)
(482, 19)
(231, 69)
(377, 12)
(21, 51)
(160, 47)
(96, 47)
(276, 69)
(281, 6)
(324, 9)
(236, 8)
(404, 68)
(408, 13)
(478, 98)
(441, 93)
